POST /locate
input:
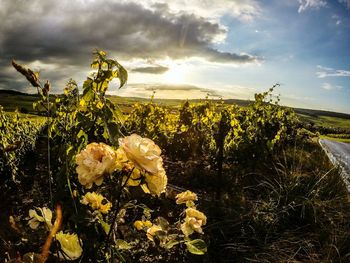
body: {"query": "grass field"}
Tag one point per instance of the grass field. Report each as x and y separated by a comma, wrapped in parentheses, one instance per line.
(329, 121)
(334, 139)
(13, 100)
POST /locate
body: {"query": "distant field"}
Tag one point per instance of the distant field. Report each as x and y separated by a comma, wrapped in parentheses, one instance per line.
(27, 116)
(335, 139)
(329, 121)
(12, 100)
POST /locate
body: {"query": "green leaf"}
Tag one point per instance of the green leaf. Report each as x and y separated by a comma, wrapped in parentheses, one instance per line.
(196, 246)
(123, 75)
(106, 227)
(81, 133)
(122, 244)
(88, 94)
(171, 244)
(164, 224)
(113, 129)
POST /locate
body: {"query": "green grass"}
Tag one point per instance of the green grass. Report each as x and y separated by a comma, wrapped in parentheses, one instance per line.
(21, 102)
(334, 139)
(327, 121)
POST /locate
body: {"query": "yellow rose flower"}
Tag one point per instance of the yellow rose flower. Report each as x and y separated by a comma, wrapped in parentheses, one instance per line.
(186, 197)
(135, 178)
(152, 231)
(143, 152)
(35, 219)
(139, 225)
(122, 162)
(70, 246)
(96, 202)
(93, 162)
(155, 183)
(193, 222)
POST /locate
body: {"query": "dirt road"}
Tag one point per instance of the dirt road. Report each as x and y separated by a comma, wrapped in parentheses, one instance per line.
(339, 154)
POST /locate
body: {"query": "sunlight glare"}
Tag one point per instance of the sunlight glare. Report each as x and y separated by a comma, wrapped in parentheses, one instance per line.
(175, 75)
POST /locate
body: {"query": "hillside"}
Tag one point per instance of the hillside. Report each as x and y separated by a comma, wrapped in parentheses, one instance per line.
(12, 100)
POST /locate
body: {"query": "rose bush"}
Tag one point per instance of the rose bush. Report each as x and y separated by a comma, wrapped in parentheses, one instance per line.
(78, 123)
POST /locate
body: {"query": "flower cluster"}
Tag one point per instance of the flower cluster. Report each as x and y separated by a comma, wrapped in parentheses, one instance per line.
(164, 234)
(187, 198)
(96, 202)
(146, 225)
(139, 158)
(137, 162)
(194, 219)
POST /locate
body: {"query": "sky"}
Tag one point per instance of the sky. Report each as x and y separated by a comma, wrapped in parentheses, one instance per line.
(187, 48)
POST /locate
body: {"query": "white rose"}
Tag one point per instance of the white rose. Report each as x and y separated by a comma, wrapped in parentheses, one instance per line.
(93, 162)
(143, 152)
(35, 219)
(186, 197)
(70, 246)
(193, 222)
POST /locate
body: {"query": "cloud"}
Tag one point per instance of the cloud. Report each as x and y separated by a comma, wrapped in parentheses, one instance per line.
(337, 19)
(182, 88)
(151, 69)
(328, 86)
(310, 4)
(164, 91)
(244, 10)
(345, 2)
(64, 33)
(330, 72)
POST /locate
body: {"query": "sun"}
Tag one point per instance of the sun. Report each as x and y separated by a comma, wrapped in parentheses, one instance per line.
(175, 75)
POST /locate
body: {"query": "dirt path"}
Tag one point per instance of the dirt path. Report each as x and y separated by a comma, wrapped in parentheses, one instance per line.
(17, 198)
(339, 154)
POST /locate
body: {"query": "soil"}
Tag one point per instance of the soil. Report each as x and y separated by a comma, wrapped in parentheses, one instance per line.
(16, 200)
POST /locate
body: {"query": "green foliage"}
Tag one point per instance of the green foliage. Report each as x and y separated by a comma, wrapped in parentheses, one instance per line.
(194, 130)
(151, 121)
(75, 120)
(266, 199)
(196, 246)
(78, 119)
(261, 129)
(17, 137)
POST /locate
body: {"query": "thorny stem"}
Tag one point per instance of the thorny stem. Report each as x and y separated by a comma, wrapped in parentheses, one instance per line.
(48, 148)
(220, 157)
(116, 211)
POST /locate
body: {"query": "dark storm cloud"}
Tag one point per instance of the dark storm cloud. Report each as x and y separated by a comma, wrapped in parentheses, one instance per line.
(151, 69)
(65, 32)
